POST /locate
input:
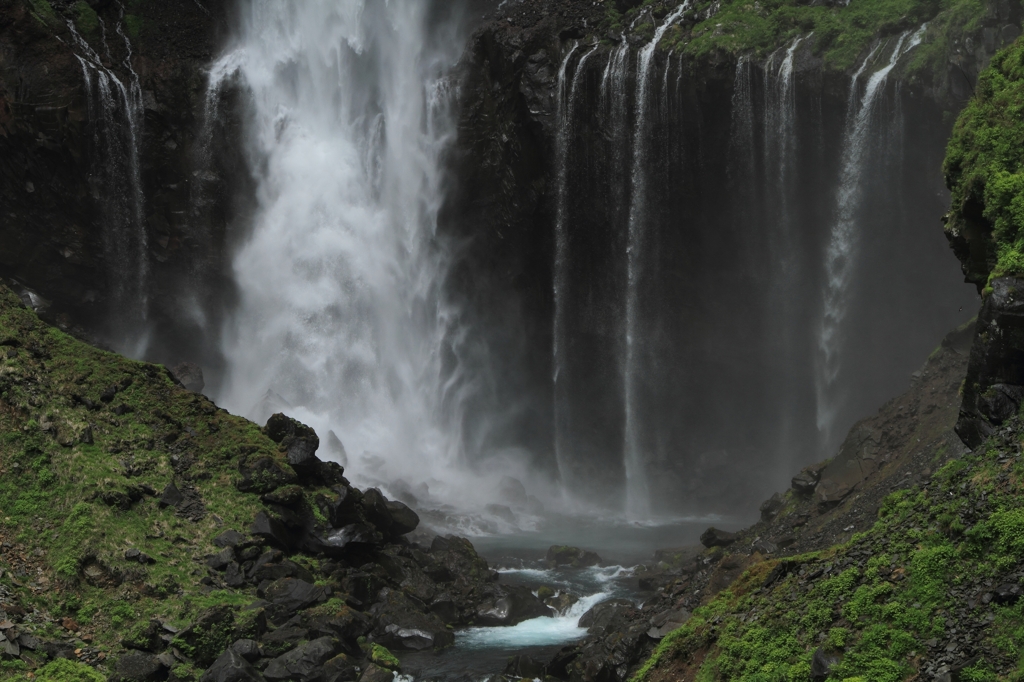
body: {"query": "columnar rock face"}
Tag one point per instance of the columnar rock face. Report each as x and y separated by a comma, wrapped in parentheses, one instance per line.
(741, 179)
(994, 386)
(72, 78)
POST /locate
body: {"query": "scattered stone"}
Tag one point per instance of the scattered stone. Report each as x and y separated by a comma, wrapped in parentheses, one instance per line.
(713, 537)
(231, 667)
(303, 661)
(563, 555)
(229, 538)
(189, 375)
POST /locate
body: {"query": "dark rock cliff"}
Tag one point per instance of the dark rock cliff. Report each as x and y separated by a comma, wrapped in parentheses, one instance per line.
(55, 178)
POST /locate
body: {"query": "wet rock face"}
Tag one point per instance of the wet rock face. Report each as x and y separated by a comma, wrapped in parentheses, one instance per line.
(994, 386)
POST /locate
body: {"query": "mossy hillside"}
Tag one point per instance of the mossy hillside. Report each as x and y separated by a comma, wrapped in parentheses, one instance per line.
(984, 164)
(884, 603)
(841, 35)
(86, 437)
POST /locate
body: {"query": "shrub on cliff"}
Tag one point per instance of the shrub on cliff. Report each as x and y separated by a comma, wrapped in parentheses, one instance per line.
(984, 171)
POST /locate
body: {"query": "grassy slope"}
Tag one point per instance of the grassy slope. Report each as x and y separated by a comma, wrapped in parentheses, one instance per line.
(59, 493)
(881, 596)
(841, 35)
(985, 160)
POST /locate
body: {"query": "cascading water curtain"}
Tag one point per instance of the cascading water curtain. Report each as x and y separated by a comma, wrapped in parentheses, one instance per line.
(340, 313)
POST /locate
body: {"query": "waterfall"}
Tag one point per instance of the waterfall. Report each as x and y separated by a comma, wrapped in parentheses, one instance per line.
(566, 94)
(841, 254)
(115, 113)
(340, 310)
(637, 503)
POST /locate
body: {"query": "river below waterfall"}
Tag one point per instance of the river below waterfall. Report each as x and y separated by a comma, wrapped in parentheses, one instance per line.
(482, 652)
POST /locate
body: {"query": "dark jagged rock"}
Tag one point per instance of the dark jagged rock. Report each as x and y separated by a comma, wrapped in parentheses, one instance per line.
(375, 507)
(147, 638)
(139, 667)
(343, 508)
(229, 538)
(563, 555)
(298, 441)
(231, 666)
(509, 605)
(524, 667)
(713, 537)
(770, 507)
(171, 496)
(291, 594)
(374, 673)
(248, 649)
(262, 474)
(606, 615)
(209, 635)
(994, 385)
(398, 624)
(189, 375)
(272, 530)
(403, 519)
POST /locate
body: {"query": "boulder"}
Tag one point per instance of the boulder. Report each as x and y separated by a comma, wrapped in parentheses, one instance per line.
(335, 542)
(403, 519)
(292, 594)
(221, 559)
(524, 667)
(399, 624)
(248, 649)
(376, 510)
(286, 496)
(713, 537)
(272, 530)
(231, 666)
(511, 604)
(139, 667)
(805, 482)
(374, 673)
(302, 662)
(343, 508)
(608, 615)
(563, 555)
(229, 538)
(171, 496)
(298, 441)
(145, 638)
(189, 375)
(262, 474)
(771, 507)
(341, 668)
(667, 621)
(209, 634)
(282, 640)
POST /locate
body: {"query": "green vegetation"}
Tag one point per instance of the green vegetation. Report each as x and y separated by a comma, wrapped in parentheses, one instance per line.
(88, 440)
(984, 166)
(384, 658)
(86, 19)
(840, 35)
(63, 670)
(877, 600)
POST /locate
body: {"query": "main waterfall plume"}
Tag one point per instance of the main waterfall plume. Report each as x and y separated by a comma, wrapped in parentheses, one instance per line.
(341, 318)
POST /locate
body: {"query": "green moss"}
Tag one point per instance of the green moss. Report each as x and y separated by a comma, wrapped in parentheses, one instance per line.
(967, 525)
(43, 11)
(984, 164)
(63, 670)
(58, 477)
(86, 19)
(384, 658)
(133, 25)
